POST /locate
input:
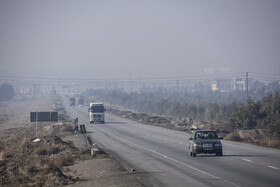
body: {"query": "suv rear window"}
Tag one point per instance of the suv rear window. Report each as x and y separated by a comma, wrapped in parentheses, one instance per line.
(205, 135)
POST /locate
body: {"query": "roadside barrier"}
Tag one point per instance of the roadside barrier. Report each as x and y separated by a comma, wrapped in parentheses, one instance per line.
(89, 141)
(83, 129)
(76, 128)
(91, 145)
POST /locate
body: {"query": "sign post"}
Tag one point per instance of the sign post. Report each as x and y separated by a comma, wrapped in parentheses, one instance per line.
(36, 122)
(43, 117)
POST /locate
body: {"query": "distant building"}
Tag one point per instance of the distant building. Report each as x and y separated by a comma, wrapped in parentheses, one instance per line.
(53, 92)
(25, 90)
(239, 84)
(209, 70)
(216, 70)
(223, 70)
(214, 87)
(222, 85)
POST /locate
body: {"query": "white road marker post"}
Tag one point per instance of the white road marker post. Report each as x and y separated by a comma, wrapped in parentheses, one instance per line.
(36, 121)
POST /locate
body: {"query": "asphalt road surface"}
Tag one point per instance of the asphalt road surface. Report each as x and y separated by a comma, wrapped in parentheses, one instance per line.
(161, 157)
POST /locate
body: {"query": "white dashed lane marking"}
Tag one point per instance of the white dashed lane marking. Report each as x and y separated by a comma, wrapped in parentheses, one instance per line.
(272, 167)
(247, 160)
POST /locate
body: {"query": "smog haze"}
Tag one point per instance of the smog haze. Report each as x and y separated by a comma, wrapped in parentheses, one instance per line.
(129, 39)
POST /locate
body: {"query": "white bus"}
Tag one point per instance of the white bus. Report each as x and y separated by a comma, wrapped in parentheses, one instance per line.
(96, 112)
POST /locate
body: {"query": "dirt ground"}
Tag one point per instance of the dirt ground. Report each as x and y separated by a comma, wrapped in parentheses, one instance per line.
(59, 158)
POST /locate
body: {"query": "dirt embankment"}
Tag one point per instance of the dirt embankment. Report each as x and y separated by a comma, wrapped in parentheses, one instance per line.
(51, 160)
(28, 163)
(161, 121)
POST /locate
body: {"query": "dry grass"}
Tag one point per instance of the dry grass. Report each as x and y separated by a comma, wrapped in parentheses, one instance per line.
(40, 151)
(1, 156)
(233, 137)
(257, 137)
(67, 128)
(62, 160)
(274, 143)
(47, 150)
(29, 163)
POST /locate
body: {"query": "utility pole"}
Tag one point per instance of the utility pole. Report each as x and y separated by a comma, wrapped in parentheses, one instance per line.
(247, 97)
(131, 86)
(131, 83)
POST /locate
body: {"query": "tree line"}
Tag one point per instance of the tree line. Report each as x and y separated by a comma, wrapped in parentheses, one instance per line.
(163, 104)
(6, 92)
(263, 114)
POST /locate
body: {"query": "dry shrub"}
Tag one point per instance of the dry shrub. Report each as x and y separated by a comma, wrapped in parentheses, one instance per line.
(253, 136)
(27, 163)
(40, 151)
(2, 145)
(34, 166)
(248, 139)
(233, 137)
(62, 160)
(223, 128)
(1, 155)
(67, 128)
(46, 150)
(52, 149)
(273, 143)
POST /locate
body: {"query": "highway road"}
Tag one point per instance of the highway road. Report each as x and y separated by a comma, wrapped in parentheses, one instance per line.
(161, 157)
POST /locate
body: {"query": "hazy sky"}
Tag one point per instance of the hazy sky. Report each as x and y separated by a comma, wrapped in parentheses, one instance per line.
(138, 38)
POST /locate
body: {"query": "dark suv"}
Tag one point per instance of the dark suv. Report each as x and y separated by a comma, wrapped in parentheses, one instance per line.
(205, 141)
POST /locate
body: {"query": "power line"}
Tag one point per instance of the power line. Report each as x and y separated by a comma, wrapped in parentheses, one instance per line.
(122, 79)
(271, 74)
(183, 80)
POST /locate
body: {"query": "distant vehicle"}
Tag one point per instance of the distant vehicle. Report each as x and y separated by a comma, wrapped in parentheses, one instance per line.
(206, 142)
(96, 112)
(81, 101)
(72, 101)
(194, 128)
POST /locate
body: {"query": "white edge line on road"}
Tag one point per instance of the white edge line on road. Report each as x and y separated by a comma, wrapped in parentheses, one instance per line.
(272, 167)
(172, 159)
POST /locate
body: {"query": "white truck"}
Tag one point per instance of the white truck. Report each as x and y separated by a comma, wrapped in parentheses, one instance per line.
(96, 112)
